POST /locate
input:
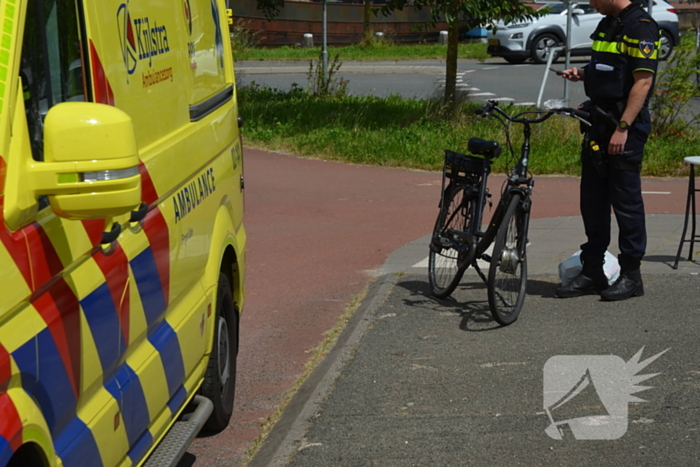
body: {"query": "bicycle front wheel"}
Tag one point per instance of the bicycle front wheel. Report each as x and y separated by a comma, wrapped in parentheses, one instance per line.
(508, 272)
(446, 262)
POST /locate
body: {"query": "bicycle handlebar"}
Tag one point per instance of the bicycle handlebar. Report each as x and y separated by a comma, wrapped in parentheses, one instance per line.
(581, 115)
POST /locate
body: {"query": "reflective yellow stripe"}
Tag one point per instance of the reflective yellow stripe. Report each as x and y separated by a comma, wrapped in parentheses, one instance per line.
(622, 48)
(609, 47)
(635, 52)
(630, 40)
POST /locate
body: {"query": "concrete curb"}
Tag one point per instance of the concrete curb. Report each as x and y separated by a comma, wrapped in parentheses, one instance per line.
(287, 436)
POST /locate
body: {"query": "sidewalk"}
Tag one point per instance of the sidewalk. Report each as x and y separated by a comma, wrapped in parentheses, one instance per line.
(420, 381)
(437, 383)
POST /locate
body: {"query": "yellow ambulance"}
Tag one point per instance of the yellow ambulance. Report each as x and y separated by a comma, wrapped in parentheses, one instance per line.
(122, 245)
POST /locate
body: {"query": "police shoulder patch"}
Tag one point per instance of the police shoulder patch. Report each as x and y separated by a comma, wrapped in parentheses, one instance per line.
(647, 48)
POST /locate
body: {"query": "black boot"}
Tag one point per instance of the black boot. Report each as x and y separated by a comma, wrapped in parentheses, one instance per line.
(590, 281)
(628, 285)
(584, 284)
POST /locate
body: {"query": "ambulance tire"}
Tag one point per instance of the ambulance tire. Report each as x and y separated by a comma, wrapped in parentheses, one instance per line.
(220, 378)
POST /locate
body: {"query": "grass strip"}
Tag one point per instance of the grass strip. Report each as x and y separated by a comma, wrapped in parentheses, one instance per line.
(387, 51)
(318, 353)
(409, 133)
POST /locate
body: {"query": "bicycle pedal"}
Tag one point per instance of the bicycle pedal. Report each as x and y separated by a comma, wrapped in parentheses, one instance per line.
(461, 235)
(440, 243)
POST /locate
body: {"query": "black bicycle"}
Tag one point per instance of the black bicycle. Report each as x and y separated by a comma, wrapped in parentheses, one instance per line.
(458, 241)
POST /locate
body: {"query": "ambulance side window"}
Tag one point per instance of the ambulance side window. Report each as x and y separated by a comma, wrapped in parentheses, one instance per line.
(52, 64)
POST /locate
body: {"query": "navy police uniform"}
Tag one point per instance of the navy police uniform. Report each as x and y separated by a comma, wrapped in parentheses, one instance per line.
(622, 45)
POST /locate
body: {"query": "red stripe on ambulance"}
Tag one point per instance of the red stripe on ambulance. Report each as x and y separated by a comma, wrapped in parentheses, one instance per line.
(16, 245)
(103, 91)
(115, 267)
(156, 230)
(10, 423)
(5, 368)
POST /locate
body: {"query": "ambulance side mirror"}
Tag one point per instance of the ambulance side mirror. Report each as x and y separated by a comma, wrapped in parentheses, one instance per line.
(91, 164)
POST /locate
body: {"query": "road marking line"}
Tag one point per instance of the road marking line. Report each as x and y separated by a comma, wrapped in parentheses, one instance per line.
(491, 68)
(656, 192)
(525, 103)
(483, 94)
(502, 99)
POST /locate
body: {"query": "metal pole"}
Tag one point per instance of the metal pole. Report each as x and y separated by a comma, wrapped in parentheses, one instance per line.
(567, 59)
(552, 52)
(324, 52)
(649, 4)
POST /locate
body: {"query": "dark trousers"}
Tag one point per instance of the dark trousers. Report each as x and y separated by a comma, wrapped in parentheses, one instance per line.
(621, 189)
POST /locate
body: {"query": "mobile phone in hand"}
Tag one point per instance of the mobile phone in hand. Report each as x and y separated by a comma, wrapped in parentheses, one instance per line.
(560, 73)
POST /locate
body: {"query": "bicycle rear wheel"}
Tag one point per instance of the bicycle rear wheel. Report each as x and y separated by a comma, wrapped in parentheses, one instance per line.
(446, 262)
(508, 271)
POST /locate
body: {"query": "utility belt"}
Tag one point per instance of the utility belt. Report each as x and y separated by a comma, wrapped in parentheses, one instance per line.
(604, 163)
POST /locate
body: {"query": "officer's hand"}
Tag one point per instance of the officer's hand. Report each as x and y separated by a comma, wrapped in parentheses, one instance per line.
(617, 142)
(573, 74)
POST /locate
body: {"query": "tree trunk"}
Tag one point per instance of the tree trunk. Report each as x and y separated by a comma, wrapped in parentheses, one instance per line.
(451, 69)
(366, 25)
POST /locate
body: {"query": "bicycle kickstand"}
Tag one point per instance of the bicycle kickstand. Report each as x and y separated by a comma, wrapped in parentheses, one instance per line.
(481, 274)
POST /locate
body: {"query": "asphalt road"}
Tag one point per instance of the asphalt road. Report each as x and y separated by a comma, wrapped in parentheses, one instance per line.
(424, 79)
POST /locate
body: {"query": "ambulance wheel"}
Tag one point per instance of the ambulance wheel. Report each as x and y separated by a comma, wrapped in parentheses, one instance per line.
(220, 378)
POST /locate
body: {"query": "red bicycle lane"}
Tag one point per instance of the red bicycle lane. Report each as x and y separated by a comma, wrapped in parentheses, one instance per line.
(318, 232)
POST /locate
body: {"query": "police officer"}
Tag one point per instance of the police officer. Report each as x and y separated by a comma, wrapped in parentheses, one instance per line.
(619, 79)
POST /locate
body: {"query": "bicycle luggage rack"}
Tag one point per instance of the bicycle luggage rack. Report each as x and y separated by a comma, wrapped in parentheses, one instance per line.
(462, 167)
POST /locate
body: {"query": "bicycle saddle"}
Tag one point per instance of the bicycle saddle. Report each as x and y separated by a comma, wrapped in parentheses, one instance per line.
(486, 148)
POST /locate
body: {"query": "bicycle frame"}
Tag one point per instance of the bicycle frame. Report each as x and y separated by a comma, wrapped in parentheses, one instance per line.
(458, 228)
(518, 184)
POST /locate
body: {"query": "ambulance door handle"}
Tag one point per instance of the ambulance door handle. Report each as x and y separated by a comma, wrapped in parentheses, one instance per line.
(240, 122)
(138, 215)
(109, 237)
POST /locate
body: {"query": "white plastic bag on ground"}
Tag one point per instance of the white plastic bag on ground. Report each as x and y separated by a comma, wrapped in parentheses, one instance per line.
(571, 268)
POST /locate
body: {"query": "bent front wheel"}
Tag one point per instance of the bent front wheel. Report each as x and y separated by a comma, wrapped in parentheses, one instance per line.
(446, 263)
(508, 271)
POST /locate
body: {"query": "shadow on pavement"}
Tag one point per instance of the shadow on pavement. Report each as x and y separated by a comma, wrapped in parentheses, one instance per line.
(469, 301)
(669, 260)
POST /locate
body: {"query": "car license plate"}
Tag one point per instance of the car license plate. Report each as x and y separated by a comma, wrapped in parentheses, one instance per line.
(494, 42)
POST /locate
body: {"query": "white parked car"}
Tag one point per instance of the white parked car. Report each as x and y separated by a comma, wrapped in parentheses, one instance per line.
(516, 42)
